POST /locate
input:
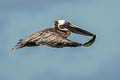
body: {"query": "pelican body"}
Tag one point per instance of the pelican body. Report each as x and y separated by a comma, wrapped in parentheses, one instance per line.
(55, 37)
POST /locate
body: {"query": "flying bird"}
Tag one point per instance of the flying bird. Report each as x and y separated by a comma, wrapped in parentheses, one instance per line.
(56, 37)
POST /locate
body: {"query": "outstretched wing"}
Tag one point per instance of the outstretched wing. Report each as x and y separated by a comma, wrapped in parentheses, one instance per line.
(48, 37)
(53, 39)
(57, 42)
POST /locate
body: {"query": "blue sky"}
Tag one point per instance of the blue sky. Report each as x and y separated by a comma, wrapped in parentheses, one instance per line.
(20, 18)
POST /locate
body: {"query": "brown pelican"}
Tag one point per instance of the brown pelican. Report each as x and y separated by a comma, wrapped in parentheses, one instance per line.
(56, 37)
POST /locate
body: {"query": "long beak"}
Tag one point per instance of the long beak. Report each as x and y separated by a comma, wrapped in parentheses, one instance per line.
(75, 29)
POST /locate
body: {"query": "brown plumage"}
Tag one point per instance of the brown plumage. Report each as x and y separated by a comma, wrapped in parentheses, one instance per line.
(52, 37)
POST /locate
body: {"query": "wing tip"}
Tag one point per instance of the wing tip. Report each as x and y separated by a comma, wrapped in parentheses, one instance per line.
(14, 48)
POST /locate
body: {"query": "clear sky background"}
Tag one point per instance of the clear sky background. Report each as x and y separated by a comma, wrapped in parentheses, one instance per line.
(20, 18)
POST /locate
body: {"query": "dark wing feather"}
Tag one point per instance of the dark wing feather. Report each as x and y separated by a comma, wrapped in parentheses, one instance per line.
(55, 40)
(27, 41)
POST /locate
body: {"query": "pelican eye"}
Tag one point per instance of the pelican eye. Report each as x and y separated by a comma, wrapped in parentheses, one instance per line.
(64, 26)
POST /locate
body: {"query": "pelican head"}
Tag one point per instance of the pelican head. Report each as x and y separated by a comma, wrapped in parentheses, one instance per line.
(64, 25)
